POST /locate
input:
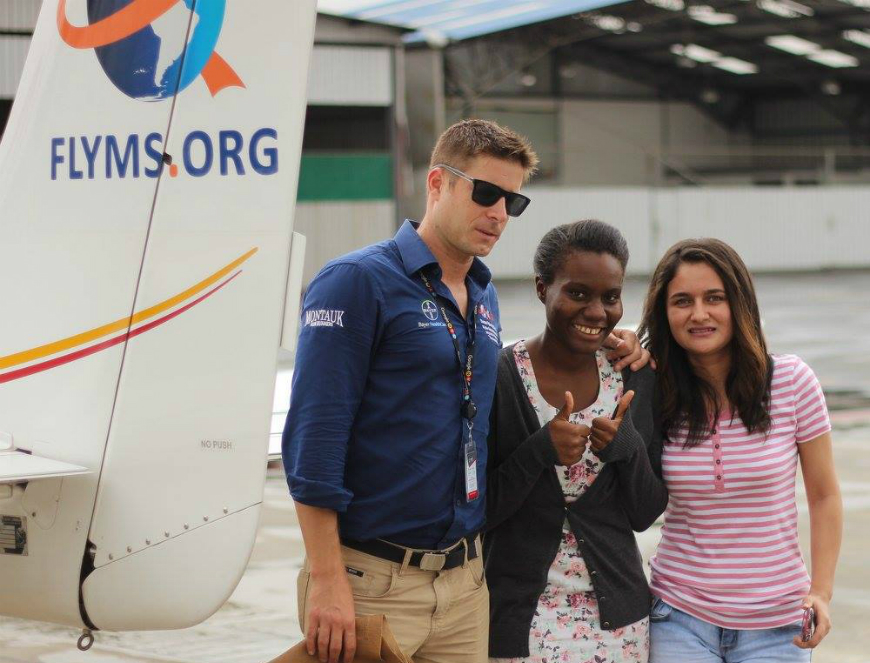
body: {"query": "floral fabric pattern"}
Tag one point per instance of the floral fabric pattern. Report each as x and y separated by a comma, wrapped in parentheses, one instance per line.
(566, 626)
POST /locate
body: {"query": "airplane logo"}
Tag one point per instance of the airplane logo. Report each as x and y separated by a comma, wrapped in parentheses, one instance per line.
(153, 49)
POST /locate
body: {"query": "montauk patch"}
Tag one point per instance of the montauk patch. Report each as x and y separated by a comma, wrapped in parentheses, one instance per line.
(324, 318)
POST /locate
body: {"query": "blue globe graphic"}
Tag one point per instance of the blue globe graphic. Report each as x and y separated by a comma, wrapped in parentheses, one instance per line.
(142, 66)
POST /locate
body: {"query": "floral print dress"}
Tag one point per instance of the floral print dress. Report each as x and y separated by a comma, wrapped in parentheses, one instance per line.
(566, 626)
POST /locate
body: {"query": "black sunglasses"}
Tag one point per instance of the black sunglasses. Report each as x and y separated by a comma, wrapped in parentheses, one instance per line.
(488, 194)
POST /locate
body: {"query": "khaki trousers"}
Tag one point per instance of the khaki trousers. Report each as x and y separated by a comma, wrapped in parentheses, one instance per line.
(436, 616)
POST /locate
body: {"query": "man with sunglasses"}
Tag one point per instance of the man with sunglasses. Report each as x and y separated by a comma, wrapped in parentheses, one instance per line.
(385, 441)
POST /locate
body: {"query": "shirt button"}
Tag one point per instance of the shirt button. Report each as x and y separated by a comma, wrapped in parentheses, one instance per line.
(606, 624)
(718, 462)
(592, 573)
(717, 446)
(718, 477)
(580, 541)
(601, 599)
(458, 502)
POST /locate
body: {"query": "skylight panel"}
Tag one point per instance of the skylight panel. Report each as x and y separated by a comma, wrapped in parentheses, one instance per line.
(670, 5)
(508, 12)
(435, 18)
(812, 50)
(695, 52)
(785, 8)
(381, 12)
(792, 44)
(736, 66)
(710, 16)
(860, 37)
(834, 59)
(606, 22)
(709, 56)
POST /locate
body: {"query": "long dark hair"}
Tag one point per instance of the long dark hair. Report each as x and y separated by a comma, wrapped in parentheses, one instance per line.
(685, 398)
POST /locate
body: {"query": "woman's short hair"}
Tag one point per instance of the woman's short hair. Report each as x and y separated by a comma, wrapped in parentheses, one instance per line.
(587, 235)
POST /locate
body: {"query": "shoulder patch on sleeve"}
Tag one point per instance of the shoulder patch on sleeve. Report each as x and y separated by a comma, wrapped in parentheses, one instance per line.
(322, 317)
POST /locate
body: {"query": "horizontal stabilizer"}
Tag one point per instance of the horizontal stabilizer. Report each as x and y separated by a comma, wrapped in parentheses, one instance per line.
(19, 467)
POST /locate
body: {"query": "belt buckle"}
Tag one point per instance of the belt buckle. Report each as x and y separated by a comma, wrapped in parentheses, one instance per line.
(433, 561)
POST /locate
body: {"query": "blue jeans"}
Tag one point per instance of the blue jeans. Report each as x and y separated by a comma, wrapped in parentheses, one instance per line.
(675, 637)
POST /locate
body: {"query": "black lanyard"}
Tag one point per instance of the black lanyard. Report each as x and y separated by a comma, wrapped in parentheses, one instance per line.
(468, 409)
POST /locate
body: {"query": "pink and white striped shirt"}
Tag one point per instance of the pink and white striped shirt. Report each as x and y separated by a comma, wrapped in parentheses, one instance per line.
(729, 553)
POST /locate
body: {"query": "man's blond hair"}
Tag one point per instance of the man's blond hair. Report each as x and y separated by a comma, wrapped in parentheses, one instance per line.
(467, 139)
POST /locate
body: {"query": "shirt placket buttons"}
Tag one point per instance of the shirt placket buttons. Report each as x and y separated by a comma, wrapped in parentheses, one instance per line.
(718, 465)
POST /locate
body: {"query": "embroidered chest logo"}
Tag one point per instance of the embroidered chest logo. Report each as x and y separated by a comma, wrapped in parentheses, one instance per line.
(429, 309)
(324, 318)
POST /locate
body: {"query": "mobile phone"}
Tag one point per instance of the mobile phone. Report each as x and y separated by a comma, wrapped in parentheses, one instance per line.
(808, 624)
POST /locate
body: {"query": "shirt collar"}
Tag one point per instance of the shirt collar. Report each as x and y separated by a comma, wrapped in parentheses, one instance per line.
(413, 250)
(416, 255)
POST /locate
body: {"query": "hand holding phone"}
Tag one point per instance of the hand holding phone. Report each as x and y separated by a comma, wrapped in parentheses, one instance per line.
(808, 624)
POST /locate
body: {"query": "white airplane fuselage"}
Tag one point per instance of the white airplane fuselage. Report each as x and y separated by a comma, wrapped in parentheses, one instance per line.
(145, 267)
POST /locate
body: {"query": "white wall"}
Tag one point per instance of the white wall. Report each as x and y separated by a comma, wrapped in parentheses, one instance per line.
(14, 15)
(772, 228)
(778, 229)
(609, 142)
(335, 228)
(13, 52)
(339, 76)
(424, 95)
(18, 14)
(351, 76)
(623, 142)
(625, 208)
(594, 82)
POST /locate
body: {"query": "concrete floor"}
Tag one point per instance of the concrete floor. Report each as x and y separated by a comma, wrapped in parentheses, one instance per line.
(823, 318)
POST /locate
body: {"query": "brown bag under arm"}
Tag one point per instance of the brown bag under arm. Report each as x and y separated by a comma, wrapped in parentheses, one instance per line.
(375, 643)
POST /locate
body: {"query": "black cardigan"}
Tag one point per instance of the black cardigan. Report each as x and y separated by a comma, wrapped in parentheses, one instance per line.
(526, 509)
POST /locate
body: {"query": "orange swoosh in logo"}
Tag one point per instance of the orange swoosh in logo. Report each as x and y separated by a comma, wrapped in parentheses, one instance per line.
(196, 293)
(120, 25)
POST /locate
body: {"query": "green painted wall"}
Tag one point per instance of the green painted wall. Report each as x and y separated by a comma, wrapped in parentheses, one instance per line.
(346, 177)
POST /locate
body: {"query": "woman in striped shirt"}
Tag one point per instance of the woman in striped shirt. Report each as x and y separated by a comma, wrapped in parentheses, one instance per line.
(728, 576)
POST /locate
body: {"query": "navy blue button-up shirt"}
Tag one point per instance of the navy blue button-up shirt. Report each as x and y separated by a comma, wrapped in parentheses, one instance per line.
(374, 430)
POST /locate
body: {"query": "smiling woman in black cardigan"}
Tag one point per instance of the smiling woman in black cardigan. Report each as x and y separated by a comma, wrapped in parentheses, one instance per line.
(567, 488)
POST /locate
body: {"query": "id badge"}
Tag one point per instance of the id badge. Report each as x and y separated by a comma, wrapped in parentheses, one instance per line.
(470, 453)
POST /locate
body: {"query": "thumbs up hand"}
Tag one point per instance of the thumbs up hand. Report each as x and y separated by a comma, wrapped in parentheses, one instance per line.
(604, 428)
(568, 439)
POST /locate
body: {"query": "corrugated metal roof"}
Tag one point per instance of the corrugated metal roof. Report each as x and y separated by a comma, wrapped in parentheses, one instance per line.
(464, 19)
